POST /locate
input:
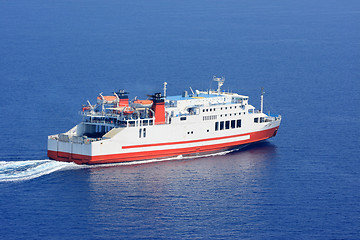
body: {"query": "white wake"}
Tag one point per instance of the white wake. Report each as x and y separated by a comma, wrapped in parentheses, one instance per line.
(11, 171)
(26, 170)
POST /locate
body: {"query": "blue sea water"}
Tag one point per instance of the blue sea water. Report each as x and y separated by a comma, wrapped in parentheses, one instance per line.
(302, 184)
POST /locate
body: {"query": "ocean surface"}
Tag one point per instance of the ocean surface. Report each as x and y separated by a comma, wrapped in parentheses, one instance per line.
(302, 184)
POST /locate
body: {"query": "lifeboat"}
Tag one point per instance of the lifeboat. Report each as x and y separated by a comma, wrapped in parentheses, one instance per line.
(142, 103)
(106, 99)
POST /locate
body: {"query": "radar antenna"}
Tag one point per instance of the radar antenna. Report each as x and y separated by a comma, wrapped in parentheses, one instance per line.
(165, 83)
(220, 82)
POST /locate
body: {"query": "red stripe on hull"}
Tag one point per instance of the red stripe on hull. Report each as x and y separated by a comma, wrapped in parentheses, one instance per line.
(136, 156)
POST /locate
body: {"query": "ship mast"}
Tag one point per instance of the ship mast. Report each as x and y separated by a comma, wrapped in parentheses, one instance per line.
(220, 82)
(262, 99)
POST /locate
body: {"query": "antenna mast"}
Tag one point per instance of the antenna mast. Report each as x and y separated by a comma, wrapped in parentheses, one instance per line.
(220, 82)
(262, 99)
(165, 83)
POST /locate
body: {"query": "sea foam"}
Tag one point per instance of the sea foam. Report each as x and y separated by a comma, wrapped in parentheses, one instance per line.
(26, 170)
(11, 171)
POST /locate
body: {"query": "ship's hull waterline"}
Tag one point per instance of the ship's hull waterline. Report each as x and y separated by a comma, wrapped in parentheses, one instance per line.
(144, 154)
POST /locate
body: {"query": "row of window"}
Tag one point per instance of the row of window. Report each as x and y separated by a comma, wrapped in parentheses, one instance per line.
(256, 120)
(136, 123)
(213, 117)
(230, 114)
(225, 108)
(230, 124)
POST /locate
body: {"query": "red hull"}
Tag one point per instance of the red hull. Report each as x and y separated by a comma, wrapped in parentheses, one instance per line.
(143, 155)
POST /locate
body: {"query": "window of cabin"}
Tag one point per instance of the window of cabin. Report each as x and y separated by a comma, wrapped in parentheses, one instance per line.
(222, 125)
(238, 123)
(256, 120)
(227, 124)
(232, 123)
(216, 126)
(182, 118)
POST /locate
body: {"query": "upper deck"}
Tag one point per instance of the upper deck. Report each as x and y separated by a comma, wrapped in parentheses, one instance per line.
(204, 99)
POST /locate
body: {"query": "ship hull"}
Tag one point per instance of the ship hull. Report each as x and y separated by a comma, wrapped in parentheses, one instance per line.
(138, 152)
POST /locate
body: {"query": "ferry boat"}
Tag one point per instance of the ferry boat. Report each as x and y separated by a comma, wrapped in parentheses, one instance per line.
(118, 130)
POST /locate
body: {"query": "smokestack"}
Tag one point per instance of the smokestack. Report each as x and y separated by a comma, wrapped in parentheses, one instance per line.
(159, 108)
(123, 98)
